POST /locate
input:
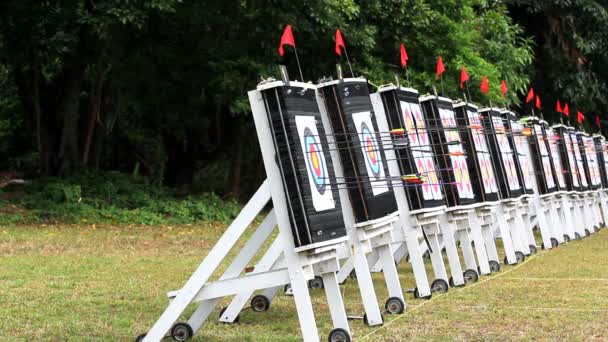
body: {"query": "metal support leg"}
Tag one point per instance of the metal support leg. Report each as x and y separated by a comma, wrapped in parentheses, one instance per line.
(480, 247)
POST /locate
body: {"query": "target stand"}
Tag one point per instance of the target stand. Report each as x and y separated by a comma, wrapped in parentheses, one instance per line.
(273, 105)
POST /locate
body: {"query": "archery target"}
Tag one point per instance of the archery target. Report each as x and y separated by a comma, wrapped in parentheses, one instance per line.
(571, 159)
(544, 156)
(459, 163)
(579, 161)
(410, 128)
(433, 178)
(371, 152)
(557, 159)
(483, 153)
(506, 153)
(522, 153)
(316, 168)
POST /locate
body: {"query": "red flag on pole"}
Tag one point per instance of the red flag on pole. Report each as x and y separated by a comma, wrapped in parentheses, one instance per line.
(537, 104)
(339, 42)
(440, 67)
(558, 107)
(580, 117)
(530, 96)
(503, 88)
(404, 56)
(598, 121)
(464, 77)
(286, 39)
(484, 85)
(566, 110)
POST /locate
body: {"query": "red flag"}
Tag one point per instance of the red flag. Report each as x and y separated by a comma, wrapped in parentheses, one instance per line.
(530, 96)
(503, 88)
(464, 77)
(404, 56)
(558, 107)
(537, 104)
(484, 85)
(598, 121)
(580, 117)
(286, 39)
(440, 67)
(566, 110)
(339, 42)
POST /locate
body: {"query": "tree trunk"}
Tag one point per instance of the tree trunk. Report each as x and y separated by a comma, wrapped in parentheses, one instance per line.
(95, 107)
(69, 156)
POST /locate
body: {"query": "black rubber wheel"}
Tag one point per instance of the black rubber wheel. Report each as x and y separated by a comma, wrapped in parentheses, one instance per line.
(577, 236)
(451, 282)
(587, 232)
(339, 335)
(470, 276)
(554, 242)
(367, 323)
(140, 337)
(286, 288)
(439, 285)
(506, 261)
(236, 320)
(181, 332)
(315, 283)
(417, 295)
(596, 229)
(602, 224)
(533, 249)
(494, 266)
(394, 306)
(542, 246)
(260, 303)
(566, 238)
(520, 256)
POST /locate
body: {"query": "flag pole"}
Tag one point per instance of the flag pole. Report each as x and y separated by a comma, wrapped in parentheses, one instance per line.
(348, 61)
(298, 62)
(466, 84)
(441, 82)
(407, 77)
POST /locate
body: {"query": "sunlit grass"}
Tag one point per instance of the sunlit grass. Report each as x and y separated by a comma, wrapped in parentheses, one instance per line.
(109, 283)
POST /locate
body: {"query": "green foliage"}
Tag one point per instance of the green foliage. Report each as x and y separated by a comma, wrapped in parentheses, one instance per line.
(111, 197)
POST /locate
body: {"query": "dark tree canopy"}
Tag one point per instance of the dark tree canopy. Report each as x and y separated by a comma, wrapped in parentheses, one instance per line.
(159, 87)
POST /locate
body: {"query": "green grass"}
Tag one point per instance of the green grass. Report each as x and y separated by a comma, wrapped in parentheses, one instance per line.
(109, 283)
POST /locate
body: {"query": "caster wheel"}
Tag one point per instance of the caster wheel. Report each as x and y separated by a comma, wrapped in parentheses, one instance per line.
(533, 249)
(286, 288)
(587, 232)
(394, 306)
(494, 266)
(451, 282)
(566, 238)
(260, 303)
(353, 274)
(140, 337)
(520, 256)
(315, 283)
(470, 276)
(577, 236)
(602, 225)
(181, 332)
(554, 242)
(236, 320)
(339, 335)
(367, 323)
(596, 229)
(417, 295)
(439, 285)
(505, 261)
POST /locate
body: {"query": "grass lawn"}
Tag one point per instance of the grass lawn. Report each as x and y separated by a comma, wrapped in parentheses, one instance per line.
(108, 283)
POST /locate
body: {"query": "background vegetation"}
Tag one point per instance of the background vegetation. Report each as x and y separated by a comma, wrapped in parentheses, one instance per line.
(156, 90)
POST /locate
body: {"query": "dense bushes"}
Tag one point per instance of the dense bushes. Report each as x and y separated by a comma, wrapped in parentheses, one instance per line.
(112, 197)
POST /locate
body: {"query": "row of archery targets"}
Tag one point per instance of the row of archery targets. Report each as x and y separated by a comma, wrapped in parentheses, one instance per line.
(358, 182)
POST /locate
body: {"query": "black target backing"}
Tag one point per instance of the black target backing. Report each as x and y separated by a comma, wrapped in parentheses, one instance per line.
(449, 152)
(360, 147)
(414, 153)
(285, 105)
(479, 161)
(503, 156)
(566, 153)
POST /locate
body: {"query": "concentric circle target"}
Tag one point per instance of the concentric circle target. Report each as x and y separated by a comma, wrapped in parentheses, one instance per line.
(371, 151)
(315, 161)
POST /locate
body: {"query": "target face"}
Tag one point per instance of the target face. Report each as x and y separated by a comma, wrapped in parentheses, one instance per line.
(460, 170)
(314, 159)
(579, 161)
(371, 150)
(571, 161)
(557, 160)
